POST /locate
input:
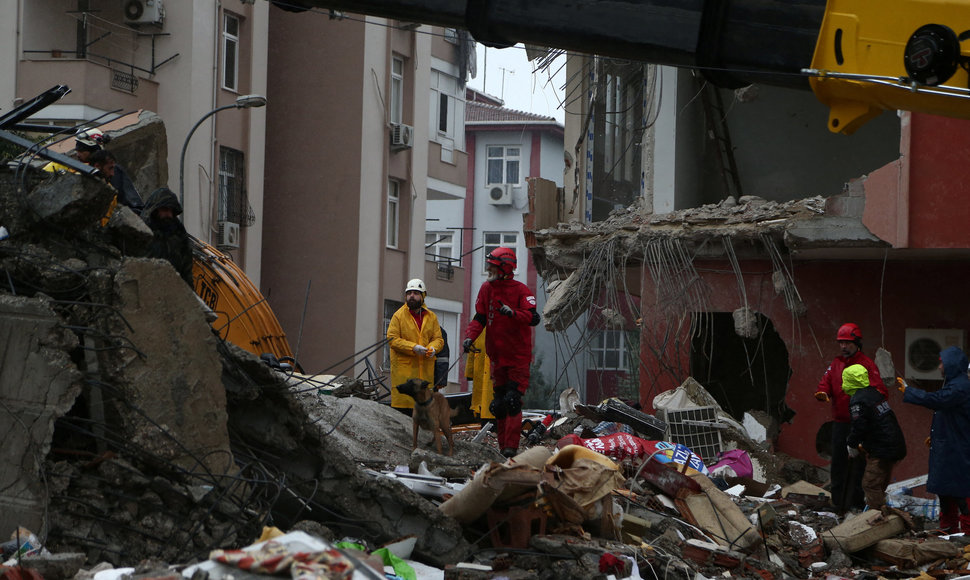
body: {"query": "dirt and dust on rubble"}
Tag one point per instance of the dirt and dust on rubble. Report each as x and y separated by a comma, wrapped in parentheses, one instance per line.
(138, 444)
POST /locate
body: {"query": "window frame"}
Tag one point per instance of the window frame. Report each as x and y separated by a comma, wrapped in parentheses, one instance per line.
(432, 251)
(506, 239)
(396, 113)
(506, 160)
(390, 307)
(231, 186)
(447, 88)
(599, 345)
(393, 231)
(618, 120)
(233, 40)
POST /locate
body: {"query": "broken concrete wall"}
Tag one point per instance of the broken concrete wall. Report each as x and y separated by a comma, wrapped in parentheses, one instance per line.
(170, 377)
(39, 384)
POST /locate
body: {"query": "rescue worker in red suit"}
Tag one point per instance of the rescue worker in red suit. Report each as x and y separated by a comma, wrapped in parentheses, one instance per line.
(508, 309)
(845, 473)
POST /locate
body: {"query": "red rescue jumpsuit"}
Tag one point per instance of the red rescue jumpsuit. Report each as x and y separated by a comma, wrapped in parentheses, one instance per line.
(508, 343)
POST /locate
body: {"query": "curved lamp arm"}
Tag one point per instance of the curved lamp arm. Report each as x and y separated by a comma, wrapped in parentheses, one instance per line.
(243, 102)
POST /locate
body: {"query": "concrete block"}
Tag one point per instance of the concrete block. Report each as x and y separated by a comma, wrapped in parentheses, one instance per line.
(71, 200)
(862, 531)
(173, 373)
(38, 384)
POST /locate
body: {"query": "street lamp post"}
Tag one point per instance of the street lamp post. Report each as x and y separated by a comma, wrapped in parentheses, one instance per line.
(243, 102)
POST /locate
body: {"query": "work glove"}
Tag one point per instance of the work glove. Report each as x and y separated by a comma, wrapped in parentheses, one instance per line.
(506, 310)
(902, 385)
(466, 345)
(853, 451)
(431, 352)
(420, 350)
(822, 396)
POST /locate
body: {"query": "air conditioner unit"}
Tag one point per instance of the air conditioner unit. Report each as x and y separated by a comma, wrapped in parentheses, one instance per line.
(228, 237)
(500, 194)
(402, 136)
(144, 11)
(923, 346)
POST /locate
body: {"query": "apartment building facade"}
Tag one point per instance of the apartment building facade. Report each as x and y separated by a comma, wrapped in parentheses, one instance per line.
(371, 128)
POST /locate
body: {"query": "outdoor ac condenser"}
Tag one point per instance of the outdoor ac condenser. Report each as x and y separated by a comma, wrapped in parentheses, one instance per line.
(144, 11)
(228, 236)
(402, 136)
(923, 346)
(500, 194)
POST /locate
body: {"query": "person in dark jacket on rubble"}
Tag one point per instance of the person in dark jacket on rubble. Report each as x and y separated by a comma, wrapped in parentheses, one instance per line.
(874, 432)
(949, 439)
(171, 241)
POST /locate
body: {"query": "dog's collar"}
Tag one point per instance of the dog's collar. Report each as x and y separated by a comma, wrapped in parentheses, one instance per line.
(426, 403)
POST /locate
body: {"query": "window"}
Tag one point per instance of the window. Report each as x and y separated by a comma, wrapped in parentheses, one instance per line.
(233, 206)
(502, 164)
(230, 52)
(607, 350)
(397, 90)
(390, 307)
(451, 35)
(447, 126)
(492, 240)
(618, 119)
(439, 247)
(393, 212)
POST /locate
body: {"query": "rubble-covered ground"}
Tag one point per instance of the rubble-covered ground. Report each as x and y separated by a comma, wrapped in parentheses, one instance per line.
(133, 436)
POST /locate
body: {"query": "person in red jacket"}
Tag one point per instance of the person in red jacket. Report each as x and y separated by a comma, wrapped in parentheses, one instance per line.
(508, 309)
(846, 474)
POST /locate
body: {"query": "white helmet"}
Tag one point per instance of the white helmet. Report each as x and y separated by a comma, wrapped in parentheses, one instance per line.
(416, 284)
(92, 138)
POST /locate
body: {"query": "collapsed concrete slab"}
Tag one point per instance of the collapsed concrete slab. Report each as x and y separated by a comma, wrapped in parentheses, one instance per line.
(39, 384)
(170, 376)
(752, 228)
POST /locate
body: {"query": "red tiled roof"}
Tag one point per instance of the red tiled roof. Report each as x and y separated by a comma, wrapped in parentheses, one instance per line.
(476, 112)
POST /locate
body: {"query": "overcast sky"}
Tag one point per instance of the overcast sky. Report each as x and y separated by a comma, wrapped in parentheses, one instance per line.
(523, 91)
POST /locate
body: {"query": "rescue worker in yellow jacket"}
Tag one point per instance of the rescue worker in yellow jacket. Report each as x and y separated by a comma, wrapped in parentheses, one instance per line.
(415, 338)
(478, 373)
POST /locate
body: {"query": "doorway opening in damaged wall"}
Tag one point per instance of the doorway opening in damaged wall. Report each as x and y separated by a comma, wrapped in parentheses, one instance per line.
(742, 374)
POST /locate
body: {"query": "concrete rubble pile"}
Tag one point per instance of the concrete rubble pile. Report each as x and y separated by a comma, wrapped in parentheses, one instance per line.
(133, 436)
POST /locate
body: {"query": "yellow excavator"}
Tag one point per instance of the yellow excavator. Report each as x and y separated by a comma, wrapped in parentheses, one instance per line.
(244, 317)
(860, 57)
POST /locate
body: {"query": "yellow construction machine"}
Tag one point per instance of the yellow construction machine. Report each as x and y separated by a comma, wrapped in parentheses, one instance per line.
(244, 317)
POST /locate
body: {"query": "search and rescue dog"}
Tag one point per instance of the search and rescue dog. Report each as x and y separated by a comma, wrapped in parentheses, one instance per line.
(431, 412)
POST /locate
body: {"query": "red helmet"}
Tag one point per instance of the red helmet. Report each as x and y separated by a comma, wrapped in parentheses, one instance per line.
(504, 259)
(849, 331)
